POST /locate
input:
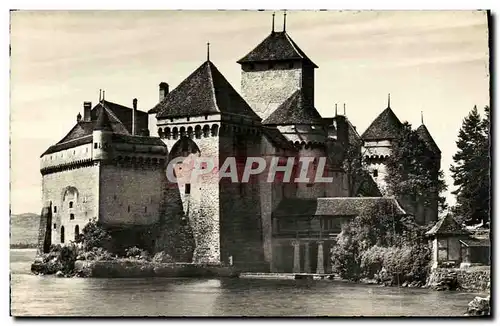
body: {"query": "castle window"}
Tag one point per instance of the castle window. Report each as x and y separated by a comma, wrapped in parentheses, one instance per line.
(77, 232)
(70, 204)
(187, 191)
(95, 145)
(375, 173)
(187, 118)
(62, 234)
(71, 216)
(128, 208)
(55, 226)
(55, 209)
(206, 116)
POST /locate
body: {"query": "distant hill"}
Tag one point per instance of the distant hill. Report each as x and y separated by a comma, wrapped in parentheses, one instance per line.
(24, 228)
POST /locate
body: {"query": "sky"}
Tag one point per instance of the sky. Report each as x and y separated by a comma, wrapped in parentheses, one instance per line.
(430, 61)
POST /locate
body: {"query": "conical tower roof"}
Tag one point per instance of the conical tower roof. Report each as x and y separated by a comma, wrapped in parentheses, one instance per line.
(425, 135)
(385, 126)
(205, 91)
(278, 46)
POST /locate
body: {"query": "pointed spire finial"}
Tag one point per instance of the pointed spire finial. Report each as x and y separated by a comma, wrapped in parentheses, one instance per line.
(103, 95)
(208, 51)
(273, 22)
(422, 117)
(335, 109)
(344, 109)
(389, 100)
(284, 21)
(100, 95)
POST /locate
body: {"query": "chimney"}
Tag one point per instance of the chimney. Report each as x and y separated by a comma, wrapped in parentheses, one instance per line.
(134, 112)
(87, 106)
(163, 90)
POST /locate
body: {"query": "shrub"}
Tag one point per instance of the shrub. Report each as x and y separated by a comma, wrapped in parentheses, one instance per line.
(162, 257)
(93, 235)
(132, 252)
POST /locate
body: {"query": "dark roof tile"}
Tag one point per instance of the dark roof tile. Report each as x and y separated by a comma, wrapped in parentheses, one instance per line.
(278, 46)
(425, 135)
(335, 206)
(385, 126)
(294, 110)
(205, 91)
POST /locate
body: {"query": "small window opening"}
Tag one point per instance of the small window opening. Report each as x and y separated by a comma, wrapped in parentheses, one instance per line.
(70, 204)
(95, 145)
(128, 208)
(71, 216)
(206, 116)
(375, 173)
(55, 226)
(187, 191)
(55, 209)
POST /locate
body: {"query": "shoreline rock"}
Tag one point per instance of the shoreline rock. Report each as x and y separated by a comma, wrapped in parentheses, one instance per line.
(479, 306)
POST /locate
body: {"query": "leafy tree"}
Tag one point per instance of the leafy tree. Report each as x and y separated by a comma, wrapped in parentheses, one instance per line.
(413, 170)
(93, 235)
(471, 169)
(376, 226)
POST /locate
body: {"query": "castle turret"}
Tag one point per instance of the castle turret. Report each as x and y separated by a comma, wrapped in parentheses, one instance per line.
(377, 143)
(273, 71)
(102, 135)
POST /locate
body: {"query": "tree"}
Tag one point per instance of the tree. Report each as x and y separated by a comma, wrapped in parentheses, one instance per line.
(93, 235)
(376, 226)
(413, 170)
(471, 169)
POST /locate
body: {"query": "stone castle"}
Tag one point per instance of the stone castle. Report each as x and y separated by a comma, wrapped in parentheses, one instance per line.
(112, 166)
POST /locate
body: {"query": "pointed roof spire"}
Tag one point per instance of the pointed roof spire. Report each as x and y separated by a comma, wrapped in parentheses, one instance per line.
(422, 117)
(284, 21)
(389, 100)
(103, 95)
(100, 95)
(208, 51)
(344, 108)
(335, 109)
(272, 30)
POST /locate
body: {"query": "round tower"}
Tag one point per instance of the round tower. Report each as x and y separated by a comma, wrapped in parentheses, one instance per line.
(102, 136)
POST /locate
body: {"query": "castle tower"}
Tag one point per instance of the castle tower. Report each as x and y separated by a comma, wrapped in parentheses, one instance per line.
(430, 213)
(99, 170)
(377, 142)
(273, 71)
(205, 119)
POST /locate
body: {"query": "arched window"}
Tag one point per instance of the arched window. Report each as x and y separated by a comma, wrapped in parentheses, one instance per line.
(190, 131)
(77, 232)
(70, 204)
(182, 131)
(197, 131)
(206, 130)
(215, 130)
(167, 133)
(71, 216)
(175, 132)
(62, 234)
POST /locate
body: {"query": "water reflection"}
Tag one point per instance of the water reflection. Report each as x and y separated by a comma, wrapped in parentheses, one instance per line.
(34, 296)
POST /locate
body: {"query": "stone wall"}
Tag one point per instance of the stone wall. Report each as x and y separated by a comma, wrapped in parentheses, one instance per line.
(471, 279)
(130, 195)
(79, 186)
(265, 88)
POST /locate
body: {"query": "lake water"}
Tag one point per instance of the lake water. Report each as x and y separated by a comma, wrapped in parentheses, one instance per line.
(50, 296)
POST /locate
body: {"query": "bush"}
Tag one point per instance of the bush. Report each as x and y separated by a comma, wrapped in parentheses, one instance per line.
(162, 257)
(133, 252)
(377, 240)
(93, 235)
